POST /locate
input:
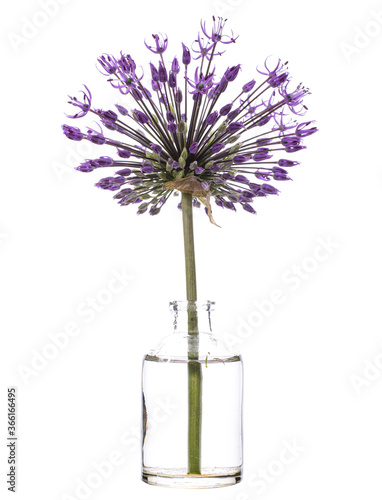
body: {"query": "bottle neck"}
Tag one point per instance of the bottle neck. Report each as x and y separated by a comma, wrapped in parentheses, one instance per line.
(192, 317)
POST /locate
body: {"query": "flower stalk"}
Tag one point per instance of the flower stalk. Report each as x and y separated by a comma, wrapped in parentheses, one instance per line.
(193, 366)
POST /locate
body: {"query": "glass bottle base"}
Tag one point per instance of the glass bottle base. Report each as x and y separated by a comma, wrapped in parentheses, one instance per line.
(178, 478)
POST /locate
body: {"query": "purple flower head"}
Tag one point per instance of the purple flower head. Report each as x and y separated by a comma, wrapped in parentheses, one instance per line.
(162, 72)
(261, 154)
(172, 80)
(215, 168)
(125, 172)
(287, 163)
(276, 81)
(87, 166)
(83, 106)
(233, 114)
(231, 74)
(238, 159)
(178, 96)
(216, 35)
(154, 210)
(154, 73)
(223, 156)
(73, 133)
(268, 189)
(141, 117)
(248, 208)
(108, 115)
(212, 118)
(218, 146)
(234, 127)
(234, 197)
(147, 167)
(108, 64)
(302, 131)
(170, 117)
(242, 179)
(246, 195)
(186, 57)
(156, 86)
(156, 148)
(221, 86)
(111, 183)
(110, 125)
(121, 110)
(249, 86)
(161, 43)
(294, 149)
(127, 64)
(263, 176)
(276, 76)
(219, 202)
(264, 121)
(122, 193)
(229, 205)
(294, 99)
(104, 161)
(201, 84)
(280, 174)
(204, 49)
(213, 92)
(137, 95)
(226, 109)
(228, 177)
(123, 153)
(171, 127)
(175, 68)
(290, 140)
(96, 137)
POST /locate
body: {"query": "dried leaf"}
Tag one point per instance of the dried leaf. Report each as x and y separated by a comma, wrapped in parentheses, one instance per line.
(187, 185)
(193, 186)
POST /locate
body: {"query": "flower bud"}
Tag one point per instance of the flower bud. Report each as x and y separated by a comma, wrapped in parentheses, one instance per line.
(182, 162)
(184, 154)
(182, 127)
(186, 58)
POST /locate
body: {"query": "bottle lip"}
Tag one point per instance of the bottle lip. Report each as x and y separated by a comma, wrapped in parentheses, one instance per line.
(192, 305)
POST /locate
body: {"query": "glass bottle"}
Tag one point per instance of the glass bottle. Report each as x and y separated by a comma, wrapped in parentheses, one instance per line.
(192, 405)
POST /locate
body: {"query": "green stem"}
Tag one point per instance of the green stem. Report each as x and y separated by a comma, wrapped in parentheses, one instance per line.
(194, 366)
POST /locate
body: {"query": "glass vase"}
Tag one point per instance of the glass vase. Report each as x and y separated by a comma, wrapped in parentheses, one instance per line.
(192, 405)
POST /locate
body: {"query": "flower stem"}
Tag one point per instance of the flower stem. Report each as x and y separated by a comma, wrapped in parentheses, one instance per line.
(194, 367)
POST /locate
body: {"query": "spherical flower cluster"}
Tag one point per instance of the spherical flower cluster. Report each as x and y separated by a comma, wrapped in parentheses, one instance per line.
(182, 136)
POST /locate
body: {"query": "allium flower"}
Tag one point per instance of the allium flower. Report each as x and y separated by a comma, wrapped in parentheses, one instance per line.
(185, 137)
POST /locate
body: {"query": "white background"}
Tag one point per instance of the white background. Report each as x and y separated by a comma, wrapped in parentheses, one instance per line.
(61, 239)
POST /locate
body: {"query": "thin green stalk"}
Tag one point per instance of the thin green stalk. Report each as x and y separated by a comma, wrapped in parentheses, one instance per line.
(194, 367)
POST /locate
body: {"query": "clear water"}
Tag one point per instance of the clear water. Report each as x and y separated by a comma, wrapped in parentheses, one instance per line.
(165, 415)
